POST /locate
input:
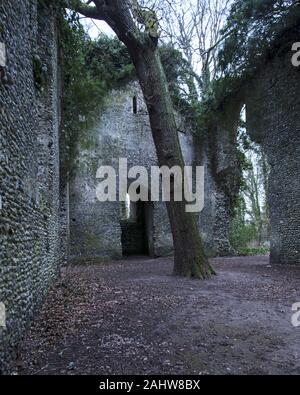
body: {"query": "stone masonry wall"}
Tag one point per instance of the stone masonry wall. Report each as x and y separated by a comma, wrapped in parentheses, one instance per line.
(273, 108)
(29, 165)
(95, 229)
(225, 173)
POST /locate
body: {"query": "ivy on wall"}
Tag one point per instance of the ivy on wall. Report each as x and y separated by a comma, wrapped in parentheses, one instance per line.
(255, 31)
(89, 70)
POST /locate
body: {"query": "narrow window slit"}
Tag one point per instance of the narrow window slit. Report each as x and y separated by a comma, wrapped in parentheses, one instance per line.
(134, 105)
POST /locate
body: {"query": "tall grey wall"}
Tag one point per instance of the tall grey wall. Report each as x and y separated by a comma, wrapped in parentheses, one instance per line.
(95, 227)
(224, 175)
(29, 165)
(273, 108)
(215, 148)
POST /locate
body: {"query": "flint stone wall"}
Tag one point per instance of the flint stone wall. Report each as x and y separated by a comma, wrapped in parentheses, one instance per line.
(29, 166)
(95, 227)
(273, 108)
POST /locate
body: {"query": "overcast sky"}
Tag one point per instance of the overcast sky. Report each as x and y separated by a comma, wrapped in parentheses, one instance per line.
(94, 27)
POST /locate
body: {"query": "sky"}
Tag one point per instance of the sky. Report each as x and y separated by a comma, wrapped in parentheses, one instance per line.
(94, 27)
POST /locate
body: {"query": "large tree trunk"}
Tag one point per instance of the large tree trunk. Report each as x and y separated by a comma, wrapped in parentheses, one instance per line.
(190, 259)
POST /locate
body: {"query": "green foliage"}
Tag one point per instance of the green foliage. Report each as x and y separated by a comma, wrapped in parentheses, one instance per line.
(241, 233)
(179, 75)
(250, 224)
(254, 27)
(109, 58)
(254, 31)
(90, 69)
(246, 251)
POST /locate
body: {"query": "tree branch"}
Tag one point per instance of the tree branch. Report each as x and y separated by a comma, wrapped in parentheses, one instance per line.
(88, 11)
(117, 14)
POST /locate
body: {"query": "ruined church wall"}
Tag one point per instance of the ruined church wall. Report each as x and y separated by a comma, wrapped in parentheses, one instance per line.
(95, 230)
(214, 220)
(216, 150)
(273, 108)
(29, 166)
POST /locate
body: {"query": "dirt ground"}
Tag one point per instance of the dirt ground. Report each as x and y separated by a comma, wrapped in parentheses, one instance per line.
(133, 317)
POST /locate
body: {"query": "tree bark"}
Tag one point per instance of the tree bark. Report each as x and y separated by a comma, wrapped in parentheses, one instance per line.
(189, 256)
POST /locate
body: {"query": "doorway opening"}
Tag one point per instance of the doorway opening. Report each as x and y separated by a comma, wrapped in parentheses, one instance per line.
(250, 227)
(137, 228)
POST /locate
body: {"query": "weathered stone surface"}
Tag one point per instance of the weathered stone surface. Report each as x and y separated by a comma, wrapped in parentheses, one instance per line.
(36, 225)
(95, 227)
(2, 55)
(273, 107)
(222, 178)
(29, 182)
